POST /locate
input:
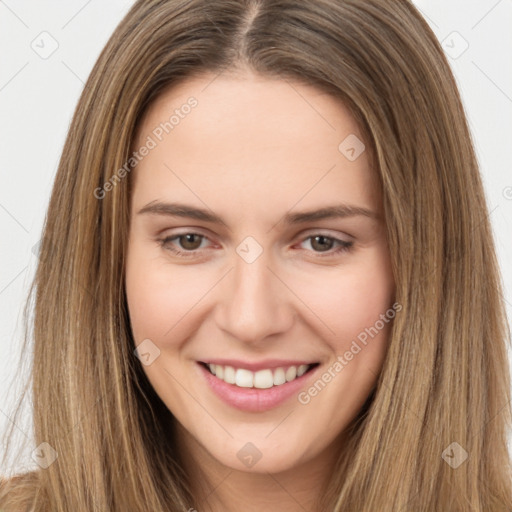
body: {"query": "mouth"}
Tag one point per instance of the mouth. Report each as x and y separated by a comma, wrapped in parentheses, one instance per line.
(264, 378)
(256, 387)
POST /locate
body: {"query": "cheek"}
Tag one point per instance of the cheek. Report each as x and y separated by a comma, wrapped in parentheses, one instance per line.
(350, 300)
(161, 296)
(148, 294)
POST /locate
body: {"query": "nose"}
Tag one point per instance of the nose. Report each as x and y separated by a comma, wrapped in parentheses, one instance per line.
(254, 303)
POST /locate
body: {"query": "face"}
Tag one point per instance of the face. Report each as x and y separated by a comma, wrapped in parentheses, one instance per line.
(230, 272)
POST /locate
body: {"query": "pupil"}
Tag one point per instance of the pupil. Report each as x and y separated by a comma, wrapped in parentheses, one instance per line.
(322, 238)
(189, 239)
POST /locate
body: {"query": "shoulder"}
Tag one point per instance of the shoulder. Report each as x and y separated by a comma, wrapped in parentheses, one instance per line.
(17, 492)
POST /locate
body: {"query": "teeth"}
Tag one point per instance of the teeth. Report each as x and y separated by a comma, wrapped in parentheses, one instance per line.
(262, 379)
(301, 370)
(244, 378)
(229, 375)
(291, 373)
(279, 377)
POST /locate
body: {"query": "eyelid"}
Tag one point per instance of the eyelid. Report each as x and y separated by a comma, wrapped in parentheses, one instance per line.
(177, 232)
(303, 235)
(342, 245)
(327, 233)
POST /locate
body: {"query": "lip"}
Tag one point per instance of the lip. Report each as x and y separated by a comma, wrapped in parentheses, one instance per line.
(271, 364)
(254, 399)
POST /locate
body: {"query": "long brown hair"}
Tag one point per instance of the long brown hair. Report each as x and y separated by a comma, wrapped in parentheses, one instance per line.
(445, 379)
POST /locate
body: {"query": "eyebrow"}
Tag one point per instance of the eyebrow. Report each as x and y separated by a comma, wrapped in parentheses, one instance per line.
(328, 212)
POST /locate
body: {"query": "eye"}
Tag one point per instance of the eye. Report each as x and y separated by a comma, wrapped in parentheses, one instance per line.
(325, 243)
(191, 244)
(188, 241)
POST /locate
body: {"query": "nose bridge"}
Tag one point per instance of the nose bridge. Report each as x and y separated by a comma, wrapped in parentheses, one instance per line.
(254, 305)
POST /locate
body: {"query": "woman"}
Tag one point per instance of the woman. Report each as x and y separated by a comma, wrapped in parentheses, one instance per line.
(259, 368)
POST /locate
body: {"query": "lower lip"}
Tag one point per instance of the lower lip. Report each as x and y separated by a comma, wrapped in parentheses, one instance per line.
(254, 399)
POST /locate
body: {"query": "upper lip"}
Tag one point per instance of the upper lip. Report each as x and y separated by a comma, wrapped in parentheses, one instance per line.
(257, 365)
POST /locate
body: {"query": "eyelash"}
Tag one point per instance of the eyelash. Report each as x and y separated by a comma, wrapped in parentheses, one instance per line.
(344, 246)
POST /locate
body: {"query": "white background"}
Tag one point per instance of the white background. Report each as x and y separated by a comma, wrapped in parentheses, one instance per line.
(38, 96)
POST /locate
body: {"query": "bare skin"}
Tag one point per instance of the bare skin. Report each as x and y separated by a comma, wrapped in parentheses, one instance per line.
(252, 151)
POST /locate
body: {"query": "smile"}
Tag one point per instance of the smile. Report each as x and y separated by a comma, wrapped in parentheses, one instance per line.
(261, 379)
(264, 387)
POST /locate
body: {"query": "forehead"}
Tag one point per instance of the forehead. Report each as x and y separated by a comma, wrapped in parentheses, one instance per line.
(253, 140)
(252, 108)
